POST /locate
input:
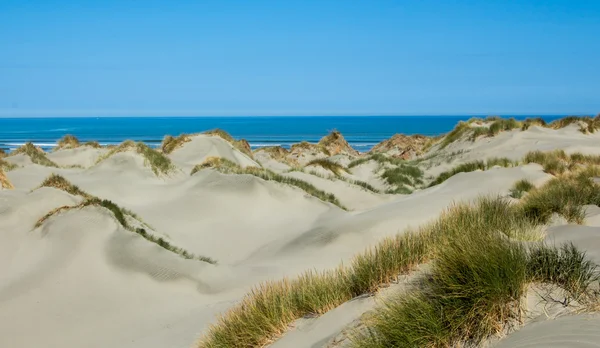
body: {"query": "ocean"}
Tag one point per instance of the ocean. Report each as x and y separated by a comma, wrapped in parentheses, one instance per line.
(362, 132)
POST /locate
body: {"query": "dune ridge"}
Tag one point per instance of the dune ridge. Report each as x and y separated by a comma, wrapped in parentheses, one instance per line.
(95, 274)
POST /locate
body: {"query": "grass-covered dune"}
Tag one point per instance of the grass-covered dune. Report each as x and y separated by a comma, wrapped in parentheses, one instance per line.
(481, 270)
(228, 167)
(158, 162)
(37, 155)
(171, 143)
(127, 219)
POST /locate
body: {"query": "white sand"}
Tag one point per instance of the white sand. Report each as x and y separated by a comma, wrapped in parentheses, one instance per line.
(81, 280)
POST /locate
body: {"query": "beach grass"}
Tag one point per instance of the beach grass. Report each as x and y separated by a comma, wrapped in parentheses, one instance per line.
(4, 182)
(520, 187)
(241, 145)
(59, 182)
(472, 166)
(480, 272)
(403, 175)
(227, 167)
(37, 155)
(120, 214)
(327, 164)
(67, 142)
(158, 162)
(170, 143)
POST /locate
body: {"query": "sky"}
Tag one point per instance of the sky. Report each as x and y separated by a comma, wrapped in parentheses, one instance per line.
(213, 58)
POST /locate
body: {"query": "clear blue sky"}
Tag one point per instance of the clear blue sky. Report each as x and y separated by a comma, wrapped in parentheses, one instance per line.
(299, 57)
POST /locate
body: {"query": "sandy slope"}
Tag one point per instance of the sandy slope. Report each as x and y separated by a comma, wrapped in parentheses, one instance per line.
(81, 280)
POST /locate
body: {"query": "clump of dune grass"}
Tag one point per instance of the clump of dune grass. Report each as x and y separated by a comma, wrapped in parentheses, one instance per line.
(5, 165)
(362, 184)
(315, 148)
(158, 162)
(528, 122)
(2, 153)
(93, 144)
(477, 281)
(521, 187)
(242, 145)
(213, 162)
(58, 182)
(4, 182)
(268, 310)
(502, 124)
(228, 167)
(67, 142)
(379, 158)
(554, 162)
(471, 167)
(333, 167)
(37, 155)
(458, 131)
(403, 175)
(170, 143)
(480, 272)
(120, 214)
(563, 196)
(477, 132)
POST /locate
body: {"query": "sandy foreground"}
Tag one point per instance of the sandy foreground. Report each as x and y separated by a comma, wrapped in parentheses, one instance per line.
(82, 280)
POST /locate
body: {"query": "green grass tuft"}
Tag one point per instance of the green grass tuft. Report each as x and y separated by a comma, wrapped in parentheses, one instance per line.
(521, 187)
(335, 168)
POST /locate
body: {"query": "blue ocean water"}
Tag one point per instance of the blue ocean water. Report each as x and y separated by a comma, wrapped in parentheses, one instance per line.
(362, 132)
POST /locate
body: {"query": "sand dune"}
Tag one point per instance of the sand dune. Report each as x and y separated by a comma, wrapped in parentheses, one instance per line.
(83, 280)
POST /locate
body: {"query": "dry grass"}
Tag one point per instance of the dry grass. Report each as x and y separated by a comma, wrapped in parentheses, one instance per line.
(241, 145)
(268, 310)
(472, 166)
(477, 281)
(169, 143)
(67, 142)
(37, 155)
(58, 182)
(213, 162)
(158, 162)
(333, 167)
(123, 216)
(228, 167)
(4, 182)
(480, 273)
(520, 187)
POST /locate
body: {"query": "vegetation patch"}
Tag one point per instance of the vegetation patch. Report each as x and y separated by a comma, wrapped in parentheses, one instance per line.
(213, 162)
(158, 162)
(471, 167)
(228, 167)
(93, 144)
(37, 155)
(501, 125)
(480, 272)
(170, 143)
(242, 145)
(377, 157)
(58, 182)
(404, 174)
(4, 182)
(67, 142)
(120, 214)
(458, 131)
(474, 292)
(528, 122)
(521, 187)
(564, 196)
(5, 165)
(333, 167)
